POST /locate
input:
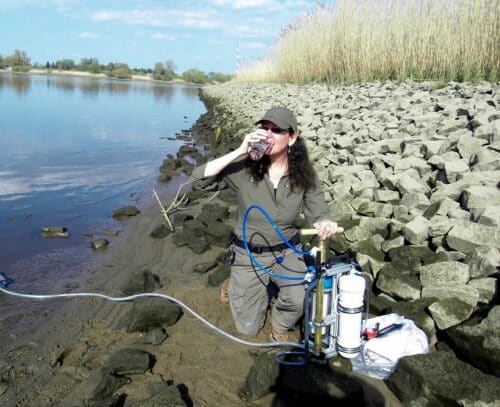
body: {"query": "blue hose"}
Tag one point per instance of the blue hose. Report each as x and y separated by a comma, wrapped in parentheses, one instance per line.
(279, 233)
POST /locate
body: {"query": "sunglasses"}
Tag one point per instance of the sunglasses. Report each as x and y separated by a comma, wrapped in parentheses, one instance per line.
(275, 130)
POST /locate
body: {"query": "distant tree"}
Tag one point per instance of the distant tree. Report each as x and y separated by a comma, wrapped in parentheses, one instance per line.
(164, 71)
(65, 65)
(18, 60)
(119, 70)
(47, 65)
(218, 77)
(2, 62)
(194, 75)
(90, 65)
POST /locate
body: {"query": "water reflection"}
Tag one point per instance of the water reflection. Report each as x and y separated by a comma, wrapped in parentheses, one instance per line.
(20, 83)
(91, 87)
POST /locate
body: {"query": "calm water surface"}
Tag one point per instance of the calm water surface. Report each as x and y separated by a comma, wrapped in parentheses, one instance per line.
(71, 151)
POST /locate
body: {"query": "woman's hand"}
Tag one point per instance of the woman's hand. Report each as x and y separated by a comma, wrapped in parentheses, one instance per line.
(250, 138)
(326, 228)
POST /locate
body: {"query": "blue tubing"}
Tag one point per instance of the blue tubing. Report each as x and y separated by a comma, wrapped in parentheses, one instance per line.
(279, 233)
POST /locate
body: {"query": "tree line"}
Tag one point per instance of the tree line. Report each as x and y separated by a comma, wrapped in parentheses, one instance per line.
(19, 61)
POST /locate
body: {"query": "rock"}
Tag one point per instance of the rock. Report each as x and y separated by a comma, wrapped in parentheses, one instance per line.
(477, 341)
(465, 238)
(490, 216)
(396, 284)
(480, 196)
(453, 169)
(155, 336)
(483, 261)
(160, 232)
(408, 259)
(108, 384)
(442, 379)
(387, 245)
(179, 218)
(55, 232)
(98, 244)
(141, 282)
(486, 288)
(129, 361)
(443, 291)
(416, 231)
(318, 385)
(151, 313)
(186, 237)
(193, 226)
(386, 195)
(449, 312)
(164, 395)
(261, 378)
(407, 185)
(220, 274)
(202, 268)
(419, 201)
(125, 211)
(445, 271)
(213, 212)
(218, 234)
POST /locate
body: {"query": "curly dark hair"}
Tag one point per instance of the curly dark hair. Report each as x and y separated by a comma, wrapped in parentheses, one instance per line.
(301, 171)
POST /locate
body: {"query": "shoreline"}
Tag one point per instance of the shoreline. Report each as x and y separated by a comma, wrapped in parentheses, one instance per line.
(83, 74)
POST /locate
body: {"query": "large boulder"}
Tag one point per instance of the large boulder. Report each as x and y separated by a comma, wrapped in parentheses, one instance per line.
(450, 312)
(141, 282)
(129, 361)
(150, 313)
(483, 261)
(396, 284)
(478, 341)
(445, 271)
(164, 395)
(466, 237)
(125, 212)
(440, 379)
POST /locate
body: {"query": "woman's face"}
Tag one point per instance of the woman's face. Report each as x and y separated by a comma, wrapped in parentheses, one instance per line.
(281, 139)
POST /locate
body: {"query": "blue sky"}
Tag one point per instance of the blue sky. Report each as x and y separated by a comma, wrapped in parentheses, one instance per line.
(201, 34)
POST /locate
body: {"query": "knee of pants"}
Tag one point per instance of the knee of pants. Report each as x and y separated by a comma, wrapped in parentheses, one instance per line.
(248, 313)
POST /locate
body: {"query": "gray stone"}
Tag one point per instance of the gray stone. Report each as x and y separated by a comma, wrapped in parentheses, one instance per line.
(477, 341)
(445, 271)
(407, 185)
(465, 238)
(160, 232)
(55, 232)
(416, 231)
(490, 216)
(356, 234)
(99, 244)
(213, 212)
(107, 385)
(486, 287)
(391, 244)
(220, 274)
(370, 247)
(155, 336)
(141, 282)
(262, 376)
(443, 291)
(399, 285)
(386, 195)
(185, 237)
(202, 268)
(441, 208)
(453, 169)
(413, 200)
(408, 259)
(376, 226)
(150, 313)
(192, 227)
(469, 146)
(442, 379)
(125, 212)
(375, 209)
(218, 234)
(450, 312)
(483, 261)
(480, 196)
(129, 361)
(489, 132)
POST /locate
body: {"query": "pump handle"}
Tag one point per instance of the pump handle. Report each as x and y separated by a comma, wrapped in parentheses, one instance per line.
(309, 232)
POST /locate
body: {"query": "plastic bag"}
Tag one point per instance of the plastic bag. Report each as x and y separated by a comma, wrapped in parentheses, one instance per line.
(379, 356)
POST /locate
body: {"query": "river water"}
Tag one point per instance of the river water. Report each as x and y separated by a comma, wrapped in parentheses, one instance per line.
(71, 151)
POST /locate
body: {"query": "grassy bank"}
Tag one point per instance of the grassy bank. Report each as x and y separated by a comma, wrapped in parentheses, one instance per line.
(357, 41)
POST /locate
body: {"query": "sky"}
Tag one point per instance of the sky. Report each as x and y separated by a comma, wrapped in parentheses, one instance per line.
(194, 34)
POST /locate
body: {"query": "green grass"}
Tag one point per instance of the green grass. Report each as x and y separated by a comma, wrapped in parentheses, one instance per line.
(366, 40)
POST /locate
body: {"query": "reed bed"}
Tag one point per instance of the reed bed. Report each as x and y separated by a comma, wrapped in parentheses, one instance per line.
(364, 40)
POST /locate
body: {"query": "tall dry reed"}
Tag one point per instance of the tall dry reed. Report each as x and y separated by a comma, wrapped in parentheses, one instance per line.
(363, 40)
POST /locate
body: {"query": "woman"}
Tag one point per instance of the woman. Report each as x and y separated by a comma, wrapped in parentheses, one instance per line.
(284, 183)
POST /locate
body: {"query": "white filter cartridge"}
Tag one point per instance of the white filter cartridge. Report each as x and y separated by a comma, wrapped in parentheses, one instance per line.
(350, 309)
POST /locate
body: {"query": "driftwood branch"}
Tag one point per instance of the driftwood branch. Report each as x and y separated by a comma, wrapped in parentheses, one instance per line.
(177, 204)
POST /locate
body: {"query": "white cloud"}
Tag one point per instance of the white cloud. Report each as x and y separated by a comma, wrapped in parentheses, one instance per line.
(253, 45)
(162, 36)
(244, 4)
(160, 18)
(88, 34)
